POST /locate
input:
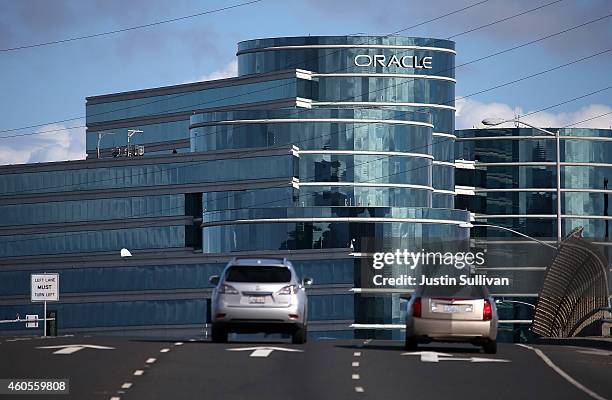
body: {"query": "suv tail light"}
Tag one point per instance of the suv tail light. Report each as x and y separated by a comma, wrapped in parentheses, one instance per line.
(487, 311)
(416, 308)
(227, 289)
(288, 290)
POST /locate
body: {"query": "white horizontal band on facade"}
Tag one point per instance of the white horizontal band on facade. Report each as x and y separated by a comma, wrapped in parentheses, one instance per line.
(442, 191)
(441, 134)
(381, 75)
(465, 190)
(543, 216)
(403, 326)
(348, 46)
(465, 164)
(542, 163)
(445, 163)
(534, 137)
(538, 269)
(381, 290)
(369, 153)
(335, 219)
(381, 103)
(302, 120)
(579, 190)
(368, 184)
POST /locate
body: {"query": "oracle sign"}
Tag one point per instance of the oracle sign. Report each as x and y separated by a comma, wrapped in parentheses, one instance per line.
(415, 62)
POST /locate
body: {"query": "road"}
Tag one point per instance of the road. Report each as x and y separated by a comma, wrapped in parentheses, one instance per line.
(118, 368)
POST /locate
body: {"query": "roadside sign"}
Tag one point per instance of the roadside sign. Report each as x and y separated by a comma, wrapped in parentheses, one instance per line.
(45, 287)
(34, 319)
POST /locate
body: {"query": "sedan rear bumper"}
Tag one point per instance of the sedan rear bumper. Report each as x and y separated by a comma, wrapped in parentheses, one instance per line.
(451, 330)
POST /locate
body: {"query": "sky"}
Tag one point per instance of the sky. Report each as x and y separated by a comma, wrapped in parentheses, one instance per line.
(40, 86)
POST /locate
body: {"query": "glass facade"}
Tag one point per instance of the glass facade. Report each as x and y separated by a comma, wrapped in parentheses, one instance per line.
(510, 180)
(313, 149)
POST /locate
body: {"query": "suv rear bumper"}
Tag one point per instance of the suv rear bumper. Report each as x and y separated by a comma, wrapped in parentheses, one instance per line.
(270, 315)
(253, 326)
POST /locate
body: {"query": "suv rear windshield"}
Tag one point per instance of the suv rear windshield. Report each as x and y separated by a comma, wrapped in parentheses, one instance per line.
(469, 292)
(258, 273)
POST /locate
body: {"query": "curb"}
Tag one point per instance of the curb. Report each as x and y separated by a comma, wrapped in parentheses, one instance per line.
(598, 343)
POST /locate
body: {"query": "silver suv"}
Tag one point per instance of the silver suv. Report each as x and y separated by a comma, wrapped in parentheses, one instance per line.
(259, 295)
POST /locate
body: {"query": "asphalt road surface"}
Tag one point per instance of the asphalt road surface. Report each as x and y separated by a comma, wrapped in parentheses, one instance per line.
(118, 368)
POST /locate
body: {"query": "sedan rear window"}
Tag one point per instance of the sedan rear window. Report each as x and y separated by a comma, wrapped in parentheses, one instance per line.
(257, 273)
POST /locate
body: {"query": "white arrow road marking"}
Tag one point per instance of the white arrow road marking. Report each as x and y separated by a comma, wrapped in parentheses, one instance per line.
(428, 356)
(73, 348)
(263, 351)
(433, 356)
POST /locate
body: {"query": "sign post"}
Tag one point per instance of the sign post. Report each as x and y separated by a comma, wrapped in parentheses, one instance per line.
(45, 287)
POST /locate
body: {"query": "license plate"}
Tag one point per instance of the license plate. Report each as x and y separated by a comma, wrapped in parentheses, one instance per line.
(257, 300)
(451, 309)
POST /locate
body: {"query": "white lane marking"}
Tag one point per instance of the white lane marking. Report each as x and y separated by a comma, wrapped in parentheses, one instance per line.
(138, 372)
(367, 341)
(73, 348)
(357, 354)
(115, 398)
(595, 352)
(178, 343)
(263, 351)
(359, 389)
(18, 339)
(355, 364)
(126, 385)
(164, 350)
(355, 377)
(563, 374)
(151, 360)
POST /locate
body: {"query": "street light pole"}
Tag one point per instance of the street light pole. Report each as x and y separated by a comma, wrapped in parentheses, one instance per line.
(100, 136)
(130, 133)
(517, 122)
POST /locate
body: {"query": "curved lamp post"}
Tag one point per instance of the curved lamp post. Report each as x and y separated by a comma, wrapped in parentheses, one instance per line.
(100, 136)
(517, 122)
(470, 225)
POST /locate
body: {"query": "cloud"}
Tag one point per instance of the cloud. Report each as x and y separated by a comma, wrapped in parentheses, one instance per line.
(55, 143)
(550, 19)
(230, 70)
(470, 113)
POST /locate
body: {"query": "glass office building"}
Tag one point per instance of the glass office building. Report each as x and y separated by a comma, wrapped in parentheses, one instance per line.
(507, 177)
(322, 148)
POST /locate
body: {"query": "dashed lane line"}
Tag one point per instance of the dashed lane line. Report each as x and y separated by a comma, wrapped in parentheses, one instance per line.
(138, 372)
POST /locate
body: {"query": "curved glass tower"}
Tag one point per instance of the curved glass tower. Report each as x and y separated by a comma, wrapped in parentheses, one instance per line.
(372, 136)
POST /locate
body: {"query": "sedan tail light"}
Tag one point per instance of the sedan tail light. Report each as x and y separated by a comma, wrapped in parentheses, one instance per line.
(227, 289)
(487, 311)
(288, 290)
(416, 308)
